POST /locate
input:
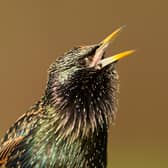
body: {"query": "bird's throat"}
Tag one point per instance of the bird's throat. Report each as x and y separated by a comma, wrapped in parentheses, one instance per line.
(81, 106)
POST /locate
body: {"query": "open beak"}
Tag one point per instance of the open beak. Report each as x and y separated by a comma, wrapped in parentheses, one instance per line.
(97, 59)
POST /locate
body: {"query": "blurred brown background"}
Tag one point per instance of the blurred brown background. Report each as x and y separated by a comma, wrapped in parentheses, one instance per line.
(34, 33)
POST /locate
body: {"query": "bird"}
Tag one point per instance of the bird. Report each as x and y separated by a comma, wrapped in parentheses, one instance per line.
(68, 126)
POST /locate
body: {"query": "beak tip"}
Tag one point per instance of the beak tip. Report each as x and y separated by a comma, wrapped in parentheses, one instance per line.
(121, 28)
(133, 51)
(112, 36)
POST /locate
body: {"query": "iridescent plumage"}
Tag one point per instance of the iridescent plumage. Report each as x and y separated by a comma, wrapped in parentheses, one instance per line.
(68, 126)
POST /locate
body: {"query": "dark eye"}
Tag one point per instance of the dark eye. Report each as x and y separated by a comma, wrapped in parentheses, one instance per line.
(83, 61)
(86, 61)
(90, 58)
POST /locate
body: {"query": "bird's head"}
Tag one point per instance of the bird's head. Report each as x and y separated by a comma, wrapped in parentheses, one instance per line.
(89, 60)
(84, 79)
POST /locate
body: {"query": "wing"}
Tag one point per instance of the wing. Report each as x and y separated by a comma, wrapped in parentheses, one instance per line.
(7, 148)
(24, 124)
(20, 129)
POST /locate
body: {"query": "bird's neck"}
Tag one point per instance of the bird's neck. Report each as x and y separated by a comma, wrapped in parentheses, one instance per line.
(82, 106)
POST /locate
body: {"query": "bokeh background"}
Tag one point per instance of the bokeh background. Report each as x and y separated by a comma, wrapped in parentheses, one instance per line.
(34, 32)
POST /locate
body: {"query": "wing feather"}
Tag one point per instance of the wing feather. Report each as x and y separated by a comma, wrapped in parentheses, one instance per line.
(8, 148)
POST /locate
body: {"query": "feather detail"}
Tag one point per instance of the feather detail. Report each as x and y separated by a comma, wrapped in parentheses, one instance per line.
(7, 149)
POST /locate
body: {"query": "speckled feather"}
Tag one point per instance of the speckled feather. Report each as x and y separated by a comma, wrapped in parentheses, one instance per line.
(68, 126)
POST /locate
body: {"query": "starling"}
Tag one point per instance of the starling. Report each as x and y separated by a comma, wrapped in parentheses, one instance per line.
(67, 127)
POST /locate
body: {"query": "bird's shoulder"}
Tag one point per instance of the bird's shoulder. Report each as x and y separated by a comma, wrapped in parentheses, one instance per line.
(24, 123)
(16, 133)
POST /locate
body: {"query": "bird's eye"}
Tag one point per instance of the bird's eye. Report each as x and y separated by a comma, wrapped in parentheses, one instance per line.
(90, 58)
(86, 61)
(83, 61)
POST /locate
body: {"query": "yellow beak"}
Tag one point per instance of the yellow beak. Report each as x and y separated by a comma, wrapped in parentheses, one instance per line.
(104, 44)
(106, 61)
(112, 36)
